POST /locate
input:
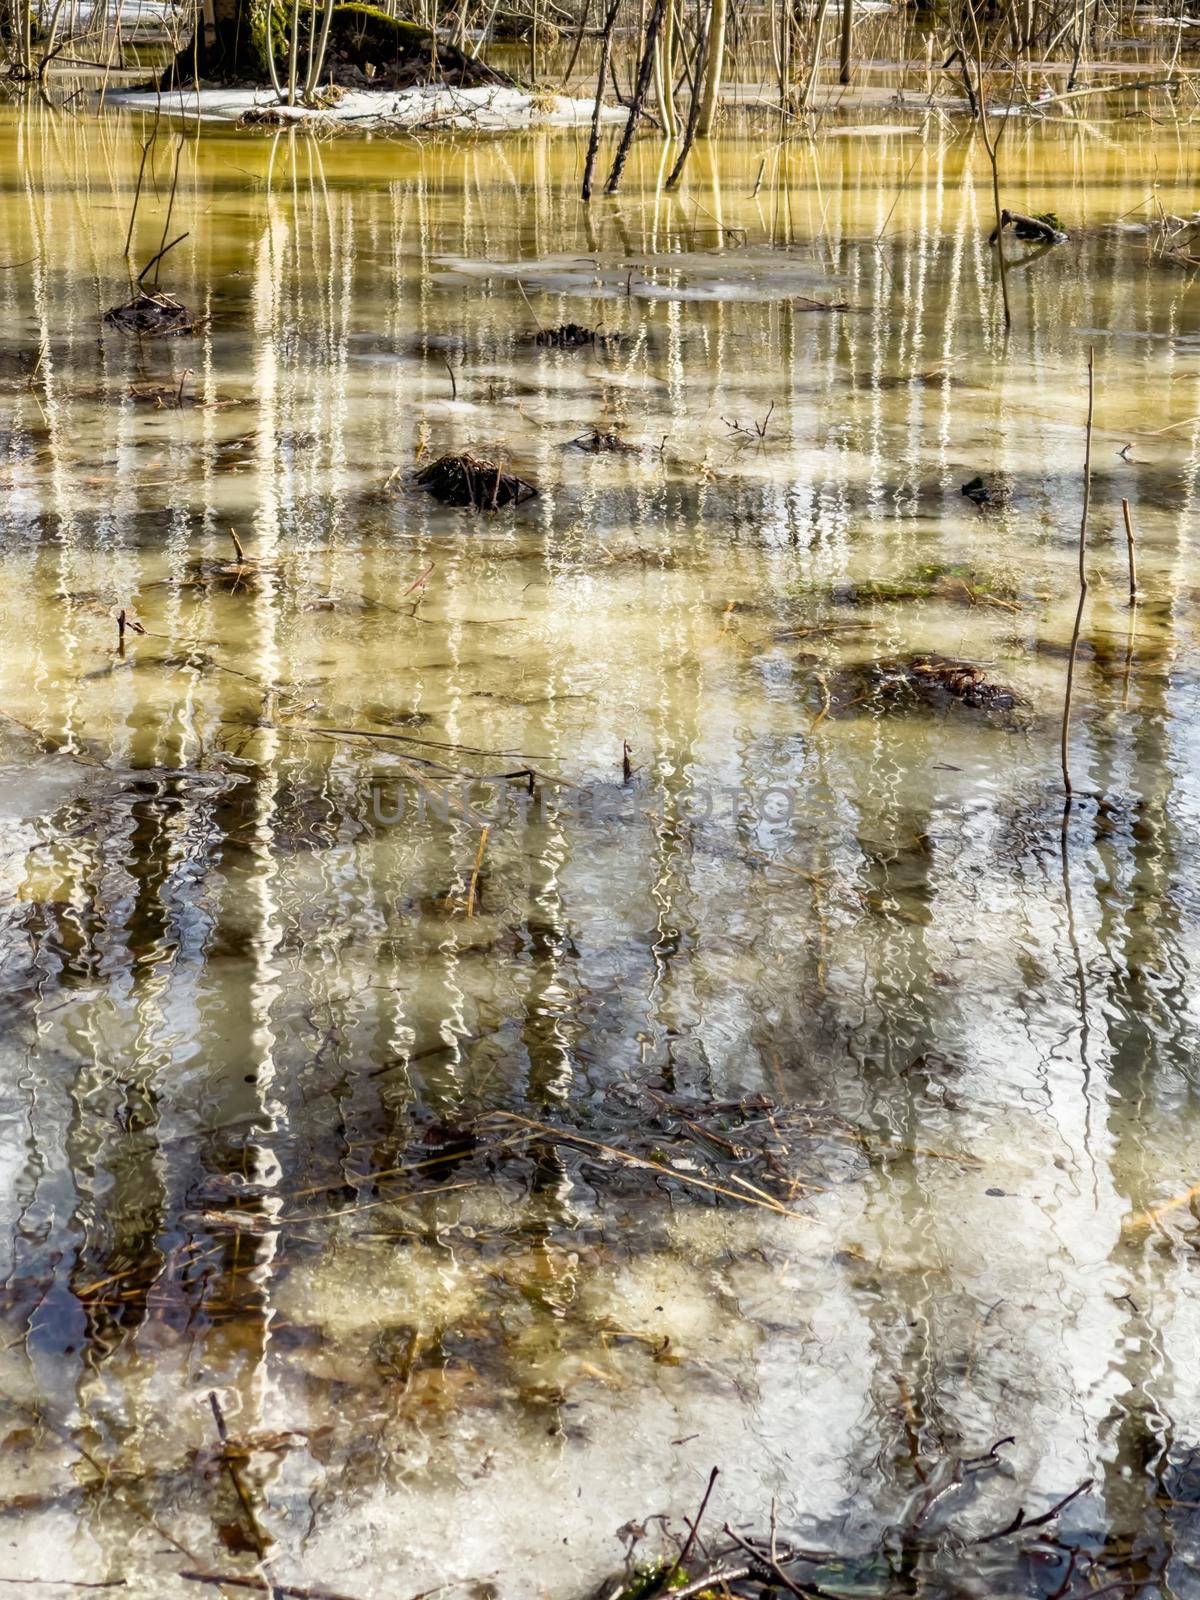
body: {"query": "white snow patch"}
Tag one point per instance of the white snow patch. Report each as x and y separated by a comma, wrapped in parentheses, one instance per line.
(486, 107)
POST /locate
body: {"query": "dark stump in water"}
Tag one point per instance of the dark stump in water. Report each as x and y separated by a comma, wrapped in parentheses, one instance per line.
(905, 683)
(152, 316)
(992, 491)
(573, 336)
(468, 481)
(1044, 228)
(602, 442)
(939, 680)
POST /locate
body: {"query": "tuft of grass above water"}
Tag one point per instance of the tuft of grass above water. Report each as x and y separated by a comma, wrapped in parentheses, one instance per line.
(652, 1578)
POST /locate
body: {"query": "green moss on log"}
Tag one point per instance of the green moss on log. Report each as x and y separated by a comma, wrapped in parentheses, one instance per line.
(365, 35)
(368, 31)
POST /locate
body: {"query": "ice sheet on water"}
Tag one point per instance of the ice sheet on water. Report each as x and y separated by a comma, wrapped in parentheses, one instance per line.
(695, 275)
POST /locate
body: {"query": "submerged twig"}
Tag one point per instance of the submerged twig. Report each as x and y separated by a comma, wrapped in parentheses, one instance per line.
(104, 1469)
(1021, 1524)
(763, 1558)
(229, 1456)
(1149, 1219)
(260, 1585)
(565, 1134)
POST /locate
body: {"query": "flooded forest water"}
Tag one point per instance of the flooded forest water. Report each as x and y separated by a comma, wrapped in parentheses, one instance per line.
(791, 1093)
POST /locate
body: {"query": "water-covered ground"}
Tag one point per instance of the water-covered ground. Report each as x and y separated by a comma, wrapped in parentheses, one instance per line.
(318, 1097)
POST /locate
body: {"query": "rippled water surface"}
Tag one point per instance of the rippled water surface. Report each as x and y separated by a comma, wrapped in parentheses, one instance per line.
(318, 1097)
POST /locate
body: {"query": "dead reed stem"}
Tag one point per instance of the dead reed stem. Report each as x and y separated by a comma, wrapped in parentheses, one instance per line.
(163, 247)
(473, 886)
(991, 145)
(1083, 584)
(137, 193)
(229, 1456)
(1133, 586)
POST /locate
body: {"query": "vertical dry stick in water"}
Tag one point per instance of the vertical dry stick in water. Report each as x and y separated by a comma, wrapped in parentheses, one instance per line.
(162, 249)
(1133, 600)
(474, 884)
(137, 193)
(589, 165)
(1133, 589)
(991, 145)
(1087, 496)
(230, 1455)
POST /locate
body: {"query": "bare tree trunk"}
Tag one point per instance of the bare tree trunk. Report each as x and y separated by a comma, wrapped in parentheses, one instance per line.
(293, 53)
(664, 73)
(229, 48)
(639, 96)
(847, 30)
(582, 29)
(810, 82)
(589, 165)
(694, 107)
(1081, 21)
(316, 59)
(711, 93)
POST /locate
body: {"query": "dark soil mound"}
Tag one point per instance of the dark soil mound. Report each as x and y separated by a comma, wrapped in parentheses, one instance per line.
(907, 682)
(152, 316)
(468, 481)
(573, 336)
(599, 442)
